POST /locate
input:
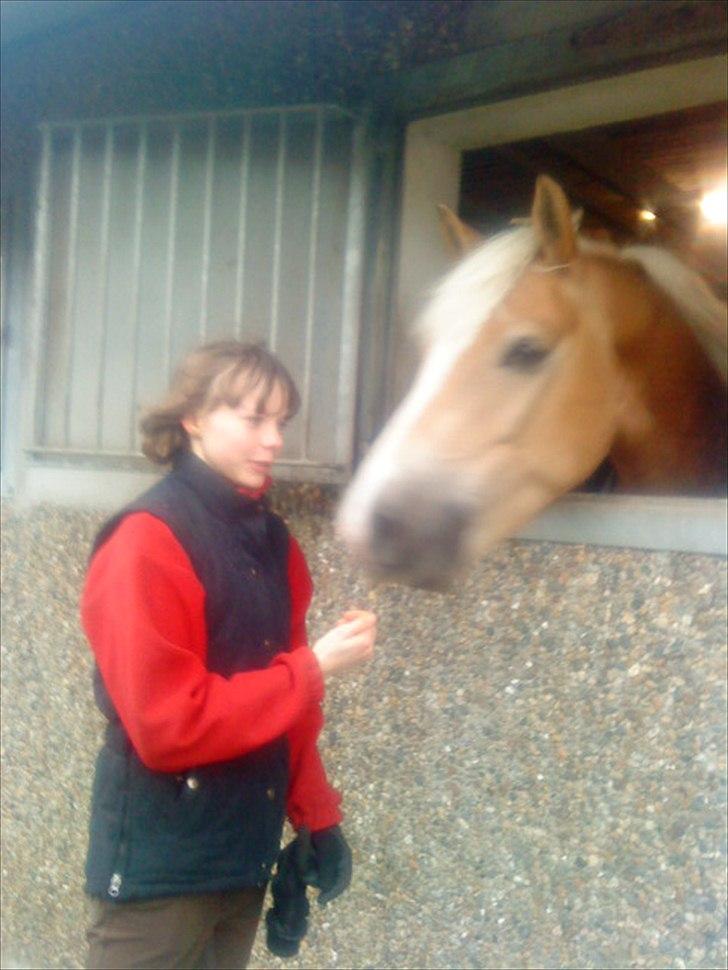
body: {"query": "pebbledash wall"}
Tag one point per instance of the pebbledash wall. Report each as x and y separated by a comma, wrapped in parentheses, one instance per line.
(533, 766)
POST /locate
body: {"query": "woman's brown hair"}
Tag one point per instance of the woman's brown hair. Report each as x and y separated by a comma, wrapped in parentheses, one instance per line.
(217, 373)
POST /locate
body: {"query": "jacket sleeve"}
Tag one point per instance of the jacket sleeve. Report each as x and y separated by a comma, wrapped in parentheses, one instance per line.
(142, 609)
(311, 799)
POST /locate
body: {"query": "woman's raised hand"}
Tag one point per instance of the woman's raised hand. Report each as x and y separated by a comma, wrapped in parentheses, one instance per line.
(348, 644)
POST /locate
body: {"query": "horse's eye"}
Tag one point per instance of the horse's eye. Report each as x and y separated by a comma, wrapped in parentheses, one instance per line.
(524, 355)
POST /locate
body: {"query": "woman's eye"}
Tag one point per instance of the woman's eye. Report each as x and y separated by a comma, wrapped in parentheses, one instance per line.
(524, 355)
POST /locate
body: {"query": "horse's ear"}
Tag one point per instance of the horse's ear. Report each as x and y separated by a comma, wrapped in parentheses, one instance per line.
(460, 238)
(553, 222)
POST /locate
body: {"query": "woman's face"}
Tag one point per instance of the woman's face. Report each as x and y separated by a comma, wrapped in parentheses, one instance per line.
(241, 442)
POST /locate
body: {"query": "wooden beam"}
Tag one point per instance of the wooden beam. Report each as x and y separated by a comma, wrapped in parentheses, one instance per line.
(584, 191)
(645, 35)
(608, 163)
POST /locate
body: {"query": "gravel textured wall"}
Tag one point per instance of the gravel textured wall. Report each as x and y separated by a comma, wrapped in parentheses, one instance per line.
(532, 767)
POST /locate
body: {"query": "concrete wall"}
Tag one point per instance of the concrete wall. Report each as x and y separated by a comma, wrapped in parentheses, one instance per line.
(533, 767)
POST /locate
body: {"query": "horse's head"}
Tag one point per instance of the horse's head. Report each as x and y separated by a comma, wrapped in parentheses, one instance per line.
(512, 406)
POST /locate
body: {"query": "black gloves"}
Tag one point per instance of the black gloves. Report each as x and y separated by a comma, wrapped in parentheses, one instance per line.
(321, 859)
(287, 920)
(332, 862)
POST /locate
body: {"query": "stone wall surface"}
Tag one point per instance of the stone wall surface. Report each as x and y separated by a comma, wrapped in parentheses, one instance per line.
(533, 766)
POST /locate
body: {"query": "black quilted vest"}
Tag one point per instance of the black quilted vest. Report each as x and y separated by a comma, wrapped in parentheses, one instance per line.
(213, 827)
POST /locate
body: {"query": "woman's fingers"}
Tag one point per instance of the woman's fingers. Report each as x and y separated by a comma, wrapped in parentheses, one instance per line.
(349, 643)
(354, 632)
(359, 619)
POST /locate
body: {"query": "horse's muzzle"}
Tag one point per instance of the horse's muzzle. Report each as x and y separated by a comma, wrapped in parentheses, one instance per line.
(418, 541)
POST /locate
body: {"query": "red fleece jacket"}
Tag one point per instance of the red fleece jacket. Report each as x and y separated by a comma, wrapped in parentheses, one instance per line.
(143, 612)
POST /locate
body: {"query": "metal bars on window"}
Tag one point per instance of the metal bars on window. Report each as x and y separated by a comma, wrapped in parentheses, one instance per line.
(156, 234)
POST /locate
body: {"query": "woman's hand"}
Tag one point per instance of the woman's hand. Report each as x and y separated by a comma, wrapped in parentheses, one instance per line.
(348, 644)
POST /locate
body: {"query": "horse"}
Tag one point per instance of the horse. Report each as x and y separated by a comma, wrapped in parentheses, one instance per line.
(543, 354)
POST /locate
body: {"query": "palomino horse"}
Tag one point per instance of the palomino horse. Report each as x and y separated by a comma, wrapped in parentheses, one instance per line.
(544, 354)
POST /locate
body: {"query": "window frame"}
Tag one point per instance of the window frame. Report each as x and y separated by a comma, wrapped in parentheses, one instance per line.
(431, 175)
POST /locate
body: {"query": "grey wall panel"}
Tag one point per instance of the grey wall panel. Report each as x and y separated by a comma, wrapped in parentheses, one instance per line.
(260, 229)
(150, 366)
(53, 356)
(328, 298)
(116, 387)
(85, 321)
(227, 221)
(185, 307)
(298, 228)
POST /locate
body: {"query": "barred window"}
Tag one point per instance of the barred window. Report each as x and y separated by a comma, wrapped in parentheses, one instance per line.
(157, 234)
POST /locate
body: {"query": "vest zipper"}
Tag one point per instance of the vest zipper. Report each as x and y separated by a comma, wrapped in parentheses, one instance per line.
(116, 877)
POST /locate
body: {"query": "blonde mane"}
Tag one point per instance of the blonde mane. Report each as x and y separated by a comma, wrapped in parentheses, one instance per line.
(466, 296)
(703, 311)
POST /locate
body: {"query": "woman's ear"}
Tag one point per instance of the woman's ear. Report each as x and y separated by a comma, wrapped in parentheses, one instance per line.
(191, 424)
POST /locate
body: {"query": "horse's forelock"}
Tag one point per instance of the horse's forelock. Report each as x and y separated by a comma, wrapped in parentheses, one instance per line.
(467, 295)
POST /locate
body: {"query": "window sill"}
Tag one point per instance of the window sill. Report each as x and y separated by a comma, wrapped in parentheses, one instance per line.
(637, 522)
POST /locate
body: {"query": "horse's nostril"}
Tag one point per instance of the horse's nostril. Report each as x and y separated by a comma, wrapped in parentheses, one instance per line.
(417, 536)
(388, 524)
(454, 518)
(391, 538)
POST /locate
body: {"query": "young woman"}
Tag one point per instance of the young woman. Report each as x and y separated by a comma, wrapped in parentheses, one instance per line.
(194, 605)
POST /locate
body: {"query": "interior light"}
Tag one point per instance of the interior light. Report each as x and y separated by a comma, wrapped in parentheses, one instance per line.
(646, 215)
(713, 206)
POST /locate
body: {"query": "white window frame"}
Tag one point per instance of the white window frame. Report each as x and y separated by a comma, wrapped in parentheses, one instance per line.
(433, 151)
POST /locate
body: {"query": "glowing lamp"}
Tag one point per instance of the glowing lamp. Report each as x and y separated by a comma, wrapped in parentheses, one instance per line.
(713, 206)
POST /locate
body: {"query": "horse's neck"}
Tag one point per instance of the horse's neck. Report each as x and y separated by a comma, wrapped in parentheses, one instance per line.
(672, 431)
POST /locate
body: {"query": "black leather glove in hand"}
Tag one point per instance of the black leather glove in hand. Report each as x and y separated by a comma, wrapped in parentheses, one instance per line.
(287, 920)
(333, 863)
(321, 859)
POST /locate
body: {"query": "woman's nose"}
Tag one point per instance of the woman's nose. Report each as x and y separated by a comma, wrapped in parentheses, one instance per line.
(272, 437)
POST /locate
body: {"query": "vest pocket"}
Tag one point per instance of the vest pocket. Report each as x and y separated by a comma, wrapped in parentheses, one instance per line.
(213, 822)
